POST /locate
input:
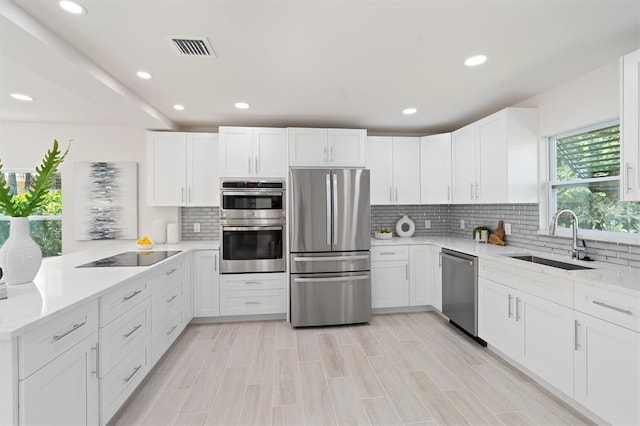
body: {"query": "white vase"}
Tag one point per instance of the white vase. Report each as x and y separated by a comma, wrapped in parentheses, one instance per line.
(20, 256)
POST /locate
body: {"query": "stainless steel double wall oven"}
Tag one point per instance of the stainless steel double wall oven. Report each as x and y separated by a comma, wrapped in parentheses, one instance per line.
(252, 225)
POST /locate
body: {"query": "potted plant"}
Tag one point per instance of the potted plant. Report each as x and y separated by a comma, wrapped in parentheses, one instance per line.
(383, 233)
(20, 256)
(481, 233)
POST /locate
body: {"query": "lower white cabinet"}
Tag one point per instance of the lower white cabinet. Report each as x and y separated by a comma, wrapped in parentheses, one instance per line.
(436, 278)
(420, 275)
(206, 292)
(253, 294)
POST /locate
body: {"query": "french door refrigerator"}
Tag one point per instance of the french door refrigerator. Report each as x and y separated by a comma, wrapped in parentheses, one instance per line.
(330, 241)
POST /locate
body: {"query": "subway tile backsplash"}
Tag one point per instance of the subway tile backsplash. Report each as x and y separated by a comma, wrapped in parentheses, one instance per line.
(207, 217)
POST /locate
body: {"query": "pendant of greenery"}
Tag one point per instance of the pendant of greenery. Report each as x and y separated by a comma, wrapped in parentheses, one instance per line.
(23, 206)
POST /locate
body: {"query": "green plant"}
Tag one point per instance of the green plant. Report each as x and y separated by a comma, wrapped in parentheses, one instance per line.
(384, 230)
(24, 205)
(478, 229)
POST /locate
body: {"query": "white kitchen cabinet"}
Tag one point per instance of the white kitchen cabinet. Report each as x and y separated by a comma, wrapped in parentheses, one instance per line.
(436, 278)
(496, 322)
(435, 169)
(253, 294)
(206, 281)
(420, 275)
(389, 276)
(182, 169)
(252, 152)
(65, 391)
(494, 160)
(630, 127)
(310, 147)
(395, 169)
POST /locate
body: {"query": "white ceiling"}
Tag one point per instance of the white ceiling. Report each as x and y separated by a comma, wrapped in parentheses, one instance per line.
(333, 63)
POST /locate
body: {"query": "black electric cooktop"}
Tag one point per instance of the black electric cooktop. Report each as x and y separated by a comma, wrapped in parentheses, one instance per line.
(130, 258)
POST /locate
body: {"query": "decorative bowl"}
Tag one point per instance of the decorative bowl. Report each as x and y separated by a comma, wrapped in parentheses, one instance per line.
(383, 235)
(144, 246)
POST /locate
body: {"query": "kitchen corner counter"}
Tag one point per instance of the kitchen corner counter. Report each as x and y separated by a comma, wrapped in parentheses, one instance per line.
(60, 287)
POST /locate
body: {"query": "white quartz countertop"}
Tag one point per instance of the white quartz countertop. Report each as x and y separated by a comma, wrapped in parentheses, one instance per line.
(617, 278)
(60, 286)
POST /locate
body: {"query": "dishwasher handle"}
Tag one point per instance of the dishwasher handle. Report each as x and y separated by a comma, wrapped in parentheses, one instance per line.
(456, 259)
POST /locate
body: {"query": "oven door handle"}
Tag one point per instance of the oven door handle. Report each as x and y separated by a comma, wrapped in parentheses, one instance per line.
(265, 193)
(331, 279)
(329, 259)
(252, 228)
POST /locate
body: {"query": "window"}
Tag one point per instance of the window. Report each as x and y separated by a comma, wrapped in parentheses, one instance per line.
(46, 223)
(585, 177)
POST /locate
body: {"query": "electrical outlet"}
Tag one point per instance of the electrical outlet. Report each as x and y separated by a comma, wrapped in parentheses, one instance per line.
(427, 224)
(461, 223)
(507, 229)
(196, 227)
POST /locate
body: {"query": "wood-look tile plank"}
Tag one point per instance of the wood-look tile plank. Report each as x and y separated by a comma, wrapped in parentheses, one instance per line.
(287, 415)
(226, 337)
(263, 361)
(348, 407)
(332, 359)
(316, 401)
(191, 419)
(187, 372)
(344, 335)
(286, 390)
(257, 408)
(398, 328)
(471, 407)
(507, 369)
(515, 418)
(165, 408)
(307, 345)
(285, 336)
(555, 404)
(393, 350)
(403, 398)
(203, 391)
(243, 344)
(367, 340)
(444, 378)
(435, 400)
(381, 412)
(428, 340)
(470, 352)
(362, 373)
(209, 331)
(227, 404)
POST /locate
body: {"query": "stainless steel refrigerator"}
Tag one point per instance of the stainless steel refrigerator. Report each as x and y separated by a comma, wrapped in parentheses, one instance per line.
(330, 240)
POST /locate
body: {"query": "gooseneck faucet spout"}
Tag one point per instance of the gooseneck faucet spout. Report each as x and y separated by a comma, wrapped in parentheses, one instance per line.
(574, 220)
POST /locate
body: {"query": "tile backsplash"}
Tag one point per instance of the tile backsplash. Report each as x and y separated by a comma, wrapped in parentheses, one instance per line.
(207, 217)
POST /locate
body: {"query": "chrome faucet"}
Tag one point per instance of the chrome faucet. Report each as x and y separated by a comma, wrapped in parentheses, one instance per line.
(575, 250)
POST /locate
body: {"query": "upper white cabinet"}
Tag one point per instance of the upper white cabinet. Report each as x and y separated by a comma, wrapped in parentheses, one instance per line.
(252, 152)
(435, 169)
(395, 169)
(630, 127)
(494, 160)
(182, 169)
(310, 147)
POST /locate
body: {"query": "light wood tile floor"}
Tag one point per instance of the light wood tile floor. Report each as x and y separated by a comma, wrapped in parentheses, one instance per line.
(411, 368)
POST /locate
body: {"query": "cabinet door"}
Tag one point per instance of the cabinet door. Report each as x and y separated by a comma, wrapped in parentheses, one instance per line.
(269, 152)
(406, 170)
(206, 283)
(379, 154)
(497, 323)
(187, 290)
(630, 128)
(347, 147)
(435, 169)
(65, 391)
(389, 284)
(307, 147)
(607, 371)
(436, 278)
(420, 275)
(236, 152)
(463, 161)
(491, 159)
(548, 340)
(202, 170)
(166, 169)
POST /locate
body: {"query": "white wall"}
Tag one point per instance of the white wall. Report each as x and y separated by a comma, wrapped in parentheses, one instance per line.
(22, 145)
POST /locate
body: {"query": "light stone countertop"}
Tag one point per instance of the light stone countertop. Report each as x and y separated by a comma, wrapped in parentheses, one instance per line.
(60, 287)
(621, 279)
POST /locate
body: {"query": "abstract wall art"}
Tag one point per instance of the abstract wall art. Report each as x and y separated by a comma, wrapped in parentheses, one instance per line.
(105, 201)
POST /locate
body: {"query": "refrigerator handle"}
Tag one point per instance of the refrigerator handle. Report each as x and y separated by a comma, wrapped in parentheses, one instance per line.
(328, 193)
(335, 208)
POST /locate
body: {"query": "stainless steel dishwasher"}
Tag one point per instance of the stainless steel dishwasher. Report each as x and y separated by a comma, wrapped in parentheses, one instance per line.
(460, 291)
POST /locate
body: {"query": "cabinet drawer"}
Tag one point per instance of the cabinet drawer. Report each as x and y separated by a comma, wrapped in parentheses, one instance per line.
(617, 308)
(120, 300)
(49, 340)
(116, 386)
(123, 334)
(164, 335)
(389, 253)
(165, 303)
(173, 273)
(240, 302)
(252, 282)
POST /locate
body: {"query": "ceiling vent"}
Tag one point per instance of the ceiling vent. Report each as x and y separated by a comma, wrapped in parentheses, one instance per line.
(192, 46)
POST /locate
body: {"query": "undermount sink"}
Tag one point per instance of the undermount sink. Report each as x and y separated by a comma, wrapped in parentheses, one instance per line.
(548, 262)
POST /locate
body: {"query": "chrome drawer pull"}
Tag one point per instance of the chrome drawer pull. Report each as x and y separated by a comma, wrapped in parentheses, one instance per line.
(332, 258)
(171, 298)
(252, 282)
(509, 307)
(133, 331)
(171, 271)
(127, 379)
(172, 329)
(253, 303)
(575, 335)
(604, 305)
(135, 293)
(71, 330)
(387, 253)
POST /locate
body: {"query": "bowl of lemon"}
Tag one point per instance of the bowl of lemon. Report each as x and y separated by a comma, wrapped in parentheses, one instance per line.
(144, 243)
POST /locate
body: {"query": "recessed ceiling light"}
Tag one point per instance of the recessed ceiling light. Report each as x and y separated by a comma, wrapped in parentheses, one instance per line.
(409, 111)
(143, 75)
(73, 7)
(475, 60)
(242, 105)
(21, 97)
(178, 107)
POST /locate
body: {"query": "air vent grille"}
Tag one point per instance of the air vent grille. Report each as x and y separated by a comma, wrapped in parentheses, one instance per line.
(192, 46)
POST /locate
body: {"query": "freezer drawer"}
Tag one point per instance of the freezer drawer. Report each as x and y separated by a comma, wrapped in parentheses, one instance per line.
(329, 299)
(306, 263)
